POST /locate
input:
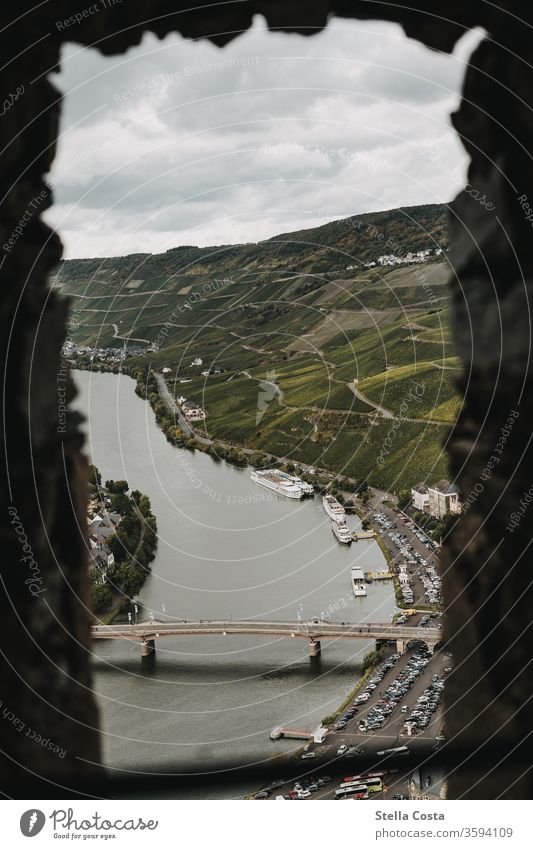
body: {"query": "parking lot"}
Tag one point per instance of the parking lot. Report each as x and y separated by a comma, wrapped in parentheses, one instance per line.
(413, 554)
(400, 706)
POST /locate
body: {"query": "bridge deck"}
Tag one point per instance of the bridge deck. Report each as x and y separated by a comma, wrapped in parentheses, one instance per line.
(302, 630)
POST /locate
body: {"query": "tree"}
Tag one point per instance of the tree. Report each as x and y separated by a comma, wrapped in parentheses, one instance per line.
(95, 478)
(102, 598)
(130, 579)
(144, 505)
(363, 486)
(404, 499)
(121, 503)
(117, 486)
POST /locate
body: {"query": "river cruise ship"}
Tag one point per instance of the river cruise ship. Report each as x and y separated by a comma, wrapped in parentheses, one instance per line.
(333, 508)
(276, 481)
(341, 531)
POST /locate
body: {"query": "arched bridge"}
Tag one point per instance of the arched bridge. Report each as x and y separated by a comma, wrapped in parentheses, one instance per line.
(147, 632)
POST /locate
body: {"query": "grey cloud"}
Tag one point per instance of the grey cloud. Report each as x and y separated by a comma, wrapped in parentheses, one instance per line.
(180, 140)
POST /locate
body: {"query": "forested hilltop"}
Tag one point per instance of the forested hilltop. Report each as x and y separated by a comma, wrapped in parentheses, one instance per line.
(320, 250)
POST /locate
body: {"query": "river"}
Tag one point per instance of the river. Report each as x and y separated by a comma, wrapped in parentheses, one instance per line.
(227, 548)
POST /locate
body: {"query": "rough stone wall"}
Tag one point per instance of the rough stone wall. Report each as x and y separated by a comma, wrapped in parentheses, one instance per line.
(48, 717)
(488, 561)
(44, 635)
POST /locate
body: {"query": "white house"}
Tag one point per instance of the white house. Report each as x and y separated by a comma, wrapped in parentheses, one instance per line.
(420, 496)
(443, 499)
(194, 414)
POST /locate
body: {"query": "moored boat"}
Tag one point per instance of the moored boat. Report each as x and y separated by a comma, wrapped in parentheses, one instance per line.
(272, 479)
(358, 582)
(333, 508)
(341, 531)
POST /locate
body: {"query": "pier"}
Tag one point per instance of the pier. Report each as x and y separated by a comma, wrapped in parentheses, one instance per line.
(290, 733)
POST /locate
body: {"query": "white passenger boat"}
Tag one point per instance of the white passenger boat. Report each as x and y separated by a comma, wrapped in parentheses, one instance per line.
(307, 488)
(333, 508)
(341, 531)
(274, 480)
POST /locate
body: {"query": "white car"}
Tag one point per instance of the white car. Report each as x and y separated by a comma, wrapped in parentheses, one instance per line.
(304, 794)
(342, 749)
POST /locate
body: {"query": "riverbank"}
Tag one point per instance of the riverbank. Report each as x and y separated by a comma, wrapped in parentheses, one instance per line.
(123, 541)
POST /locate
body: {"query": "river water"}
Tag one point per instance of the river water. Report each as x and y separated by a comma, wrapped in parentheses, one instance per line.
(227, 548)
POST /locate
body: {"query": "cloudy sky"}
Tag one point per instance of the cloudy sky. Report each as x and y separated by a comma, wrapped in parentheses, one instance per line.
(184, 143)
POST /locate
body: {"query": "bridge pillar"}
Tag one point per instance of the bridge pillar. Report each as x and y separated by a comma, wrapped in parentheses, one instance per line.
(314, 648)
(400, 646)
(147, 648)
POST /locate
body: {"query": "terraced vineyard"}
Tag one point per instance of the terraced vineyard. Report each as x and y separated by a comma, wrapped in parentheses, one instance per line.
(317, 356)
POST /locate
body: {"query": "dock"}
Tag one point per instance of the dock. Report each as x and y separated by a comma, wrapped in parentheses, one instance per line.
(318, 735)
(379, 576)
(291, 733)
(357, 535)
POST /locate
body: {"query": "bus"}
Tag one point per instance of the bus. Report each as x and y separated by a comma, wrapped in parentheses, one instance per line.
(374, 783)
(353, 790)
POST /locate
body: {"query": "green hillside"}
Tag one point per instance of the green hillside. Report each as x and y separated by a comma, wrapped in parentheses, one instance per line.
(317, 355)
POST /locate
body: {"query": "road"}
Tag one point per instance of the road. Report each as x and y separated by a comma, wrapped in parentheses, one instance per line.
(387, 414)
(170, 402)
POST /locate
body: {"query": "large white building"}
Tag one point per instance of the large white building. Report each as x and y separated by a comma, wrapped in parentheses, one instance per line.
(420, 496)
(443, 499)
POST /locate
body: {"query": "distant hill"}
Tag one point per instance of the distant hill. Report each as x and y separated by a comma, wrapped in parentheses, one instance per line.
(320, 250)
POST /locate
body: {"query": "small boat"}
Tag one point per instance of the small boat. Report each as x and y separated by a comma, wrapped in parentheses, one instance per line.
(358, 582)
